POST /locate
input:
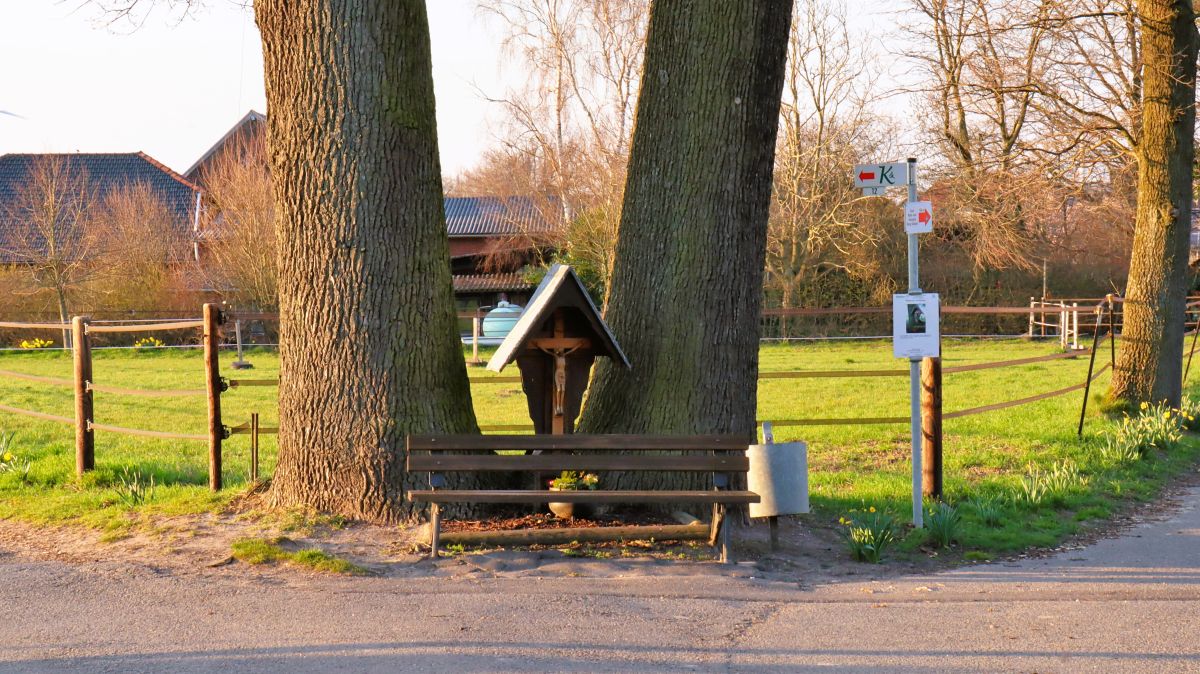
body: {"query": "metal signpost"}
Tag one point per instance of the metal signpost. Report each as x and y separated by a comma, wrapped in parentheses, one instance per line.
(874, 180)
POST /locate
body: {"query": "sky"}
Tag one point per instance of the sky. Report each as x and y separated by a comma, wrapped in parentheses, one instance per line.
(175, 85)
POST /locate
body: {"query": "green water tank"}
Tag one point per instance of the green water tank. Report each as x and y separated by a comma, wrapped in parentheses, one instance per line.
(501, 320)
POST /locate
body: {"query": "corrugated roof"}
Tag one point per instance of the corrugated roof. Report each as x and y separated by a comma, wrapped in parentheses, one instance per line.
(105, 172)
(498, 216)
(489, 283)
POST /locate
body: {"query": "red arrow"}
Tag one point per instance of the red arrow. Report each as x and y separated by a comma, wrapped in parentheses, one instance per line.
(924, 217)
(864, 176)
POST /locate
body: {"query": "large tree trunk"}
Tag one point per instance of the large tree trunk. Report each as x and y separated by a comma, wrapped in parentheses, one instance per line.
(368, 343)
(1149, 367)
(687, 281)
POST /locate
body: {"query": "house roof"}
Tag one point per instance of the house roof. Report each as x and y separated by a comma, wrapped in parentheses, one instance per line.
(249, 123)
(561, 287)
(489, 283)
(497, 216)
(106, 172)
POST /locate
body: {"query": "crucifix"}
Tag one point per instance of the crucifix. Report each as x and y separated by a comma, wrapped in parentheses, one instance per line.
(558, 347)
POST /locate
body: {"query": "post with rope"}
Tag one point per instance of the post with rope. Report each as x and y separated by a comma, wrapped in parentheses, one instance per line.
(931, 427)
(85, 437)
(1087, 383)
(213, 384)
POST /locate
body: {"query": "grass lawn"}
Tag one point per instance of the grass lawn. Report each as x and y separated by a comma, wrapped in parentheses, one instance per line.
(988, 457)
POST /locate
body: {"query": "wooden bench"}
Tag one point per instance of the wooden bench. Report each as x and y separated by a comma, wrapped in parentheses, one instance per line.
(723, 456)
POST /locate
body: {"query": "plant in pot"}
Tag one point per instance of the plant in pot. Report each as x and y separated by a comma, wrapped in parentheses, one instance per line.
(573, 480)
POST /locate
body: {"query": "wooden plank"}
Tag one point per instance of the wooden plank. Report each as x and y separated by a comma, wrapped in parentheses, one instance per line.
(551, 343)
(145, 327)
(35, 326)
(557, 462)
(695, 443)
(663, 532)
(597, 496)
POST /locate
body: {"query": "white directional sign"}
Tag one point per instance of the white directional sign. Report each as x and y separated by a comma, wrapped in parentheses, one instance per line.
(918, 217)
(880, 176)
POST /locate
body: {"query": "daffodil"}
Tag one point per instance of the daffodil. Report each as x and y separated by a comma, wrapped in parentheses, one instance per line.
(1145, 405)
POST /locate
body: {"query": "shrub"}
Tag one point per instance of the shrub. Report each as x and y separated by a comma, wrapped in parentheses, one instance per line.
(10, 462)
(134, 489)
(1049, 486)
(36, 343)
(942, 524)
(989, 510)
(869, 533)
(1189, 414)
(1155, 427)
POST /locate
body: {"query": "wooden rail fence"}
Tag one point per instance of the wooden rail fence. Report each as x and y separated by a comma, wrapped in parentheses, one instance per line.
(932, 383)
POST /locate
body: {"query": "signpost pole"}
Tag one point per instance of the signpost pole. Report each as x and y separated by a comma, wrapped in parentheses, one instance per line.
(914, 364)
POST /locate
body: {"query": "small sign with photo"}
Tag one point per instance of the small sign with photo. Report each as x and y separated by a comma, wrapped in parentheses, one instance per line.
(915, 326)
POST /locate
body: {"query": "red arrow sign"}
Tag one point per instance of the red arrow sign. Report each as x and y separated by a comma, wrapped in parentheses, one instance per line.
(924, 217)
(864, 176)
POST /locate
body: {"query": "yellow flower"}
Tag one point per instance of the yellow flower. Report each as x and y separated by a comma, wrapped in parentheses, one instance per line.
(872, 508)
(1145, 405)
(8, 457)
(1166, 415)
(841, 520)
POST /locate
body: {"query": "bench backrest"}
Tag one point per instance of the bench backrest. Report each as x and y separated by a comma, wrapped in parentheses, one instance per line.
(697, 453)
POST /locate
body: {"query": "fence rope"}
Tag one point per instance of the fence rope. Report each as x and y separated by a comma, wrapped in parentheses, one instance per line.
(137, 431)
(1022, 401)
(35, 378)
(37, 415)
(147, 393)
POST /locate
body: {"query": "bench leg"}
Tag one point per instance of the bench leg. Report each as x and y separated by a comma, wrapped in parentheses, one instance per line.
(726, 556)
(435, 530)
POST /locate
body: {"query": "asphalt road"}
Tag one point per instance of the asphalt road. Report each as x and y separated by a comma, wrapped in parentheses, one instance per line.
(1123, 605)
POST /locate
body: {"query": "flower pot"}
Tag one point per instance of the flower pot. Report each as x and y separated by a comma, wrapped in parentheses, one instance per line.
(571, 510)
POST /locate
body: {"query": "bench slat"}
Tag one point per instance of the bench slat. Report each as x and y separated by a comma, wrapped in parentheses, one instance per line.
(582, 496)
(694, 443)
(559, 462)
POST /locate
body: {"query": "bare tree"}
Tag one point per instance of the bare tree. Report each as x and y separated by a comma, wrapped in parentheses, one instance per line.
(574, 119)
(826, 127)
(142, 249)
(238, 234)
(48, 233)
(981, 60)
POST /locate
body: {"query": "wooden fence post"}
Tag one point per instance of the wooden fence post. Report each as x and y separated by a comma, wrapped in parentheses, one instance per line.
(254, 447)
(85, 437)
(212, 376)
(931, 427)
(475, 330)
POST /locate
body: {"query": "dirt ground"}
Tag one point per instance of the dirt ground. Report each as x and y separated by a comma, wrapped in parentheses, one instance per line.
(811, 552)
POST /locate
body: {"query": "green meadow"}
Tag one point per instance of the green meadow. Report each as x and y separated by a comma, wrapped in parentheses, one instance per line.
(991, 459)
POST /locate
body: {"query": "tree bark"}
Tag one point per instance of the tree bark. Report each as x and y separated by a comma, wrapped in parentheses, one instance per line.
(1150, 364)
(687, 279)
(369, 349)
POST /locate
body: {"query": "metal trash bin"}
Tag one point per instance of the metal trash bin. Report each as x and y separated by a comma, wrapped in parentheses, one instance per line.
(779, 475)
